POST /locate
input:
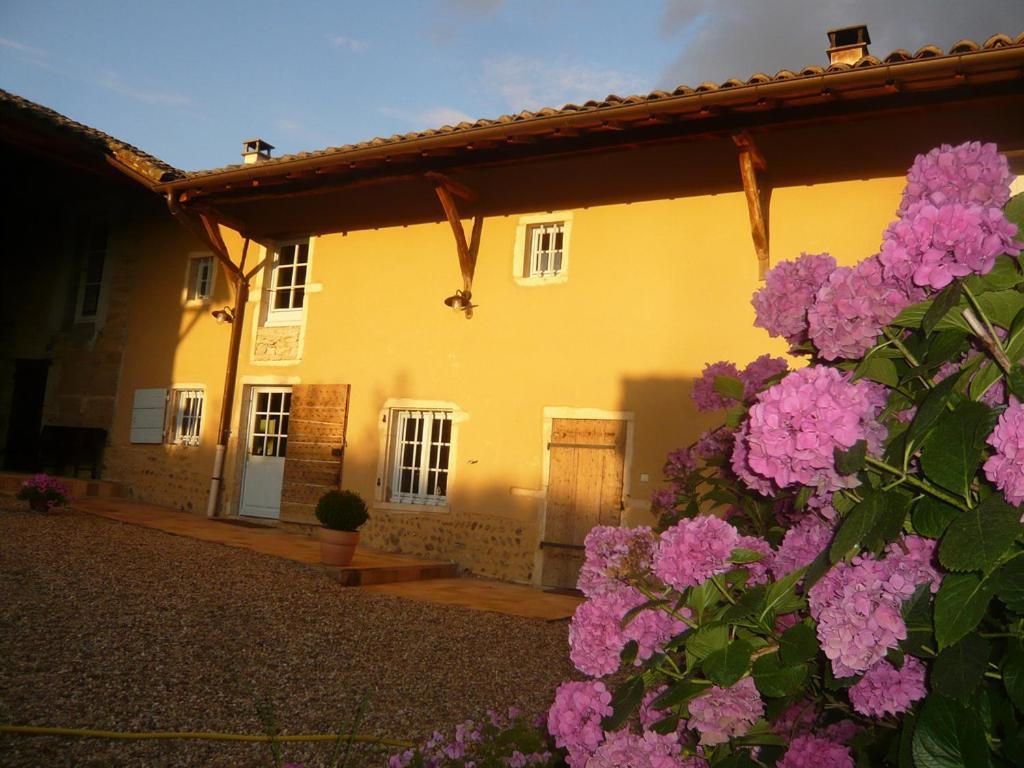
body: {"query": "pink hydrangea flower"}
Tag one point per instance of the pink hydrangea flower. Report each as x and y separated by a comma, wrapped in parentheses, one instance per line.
(597, 637)
(1005, 467)
(798, 718)
(851, 309)
(679, 463)
(611, 554)
(796, 426)
(740, 464)
(704, 395)
(759, 371)
(713, 444)
(720, 714)
(909, 562)
(574, 719)
(649, 715)
(757, 571)
(841, 732)
(815, 752)
(664, 499)
(694, 549)
(801, 545)
(885, 690)
(858, 609)
(789, 290)
(624, 749)
(931, 246)
(971, 173)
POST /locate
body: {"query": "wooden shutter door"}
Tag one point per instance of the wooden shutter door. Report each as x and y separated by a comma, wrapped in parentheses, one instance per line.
(584, 490)
(316, 447)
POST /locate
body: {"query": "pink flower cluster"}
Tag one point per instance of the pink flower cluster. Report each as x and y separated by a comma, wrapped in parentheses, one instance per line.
(720, 714)
(932, 245)
(858, 605)
(757, 571)
(693, 550)
(611, 554)
(796, 426)
(788, 293)
(801, 544)
(971, 173)
(574, 719)
(704, 395)
(885, 690)
(713, 444)
(740, 464)
(815, 752)
(43, 487)
(851, 309)
(597, 637)
(679, 463)
(758, 371)
(1005, 467)
(622, 749)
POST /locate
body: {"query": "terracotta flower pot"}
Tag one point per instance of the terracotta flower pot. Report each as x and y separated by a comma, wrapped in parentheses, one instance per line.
(337, 547)
(37, 505)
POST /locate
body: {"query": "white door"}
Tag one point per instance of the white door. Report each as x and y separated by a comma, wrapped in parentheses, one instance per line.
(265, 451)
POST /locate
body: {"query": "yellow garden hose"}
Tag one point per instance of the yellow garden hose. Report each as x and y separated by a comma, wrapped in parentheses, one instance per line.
(87, 733)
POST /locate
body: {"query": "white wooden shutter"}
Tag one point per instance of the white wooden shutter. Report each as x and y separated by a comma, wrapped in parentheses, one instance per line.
(148, 415)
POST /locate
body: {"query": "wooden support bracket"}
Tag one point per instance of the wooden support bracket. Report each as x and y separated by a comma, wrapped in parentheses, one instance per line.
(752, 163)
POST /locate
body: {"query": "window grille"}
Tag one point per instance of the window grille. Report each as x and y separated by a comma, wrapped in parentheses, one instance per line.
(289, 280)
(269, 433)
(545, 243)
(188, 416)
(420, 452)
(200, 284)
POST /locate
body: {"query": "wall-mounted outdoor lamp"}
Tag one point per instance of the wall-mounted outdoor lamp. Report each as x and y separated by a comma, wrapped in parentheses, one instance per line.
(224, 315)
(461, 301)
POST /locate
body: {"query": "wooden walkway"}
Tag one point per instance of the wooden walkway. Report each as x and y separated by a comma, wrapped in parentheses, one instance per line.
(430, 581)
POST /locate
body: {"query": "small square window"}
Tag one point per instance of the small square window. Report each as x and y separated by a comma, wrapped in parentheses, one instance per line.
(545, 254)
(200, 278)
(186, 416)
(419, 455)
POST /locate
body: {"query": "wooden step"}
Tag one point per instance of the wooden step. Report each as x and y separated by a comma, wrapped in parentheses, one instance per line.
(361, 576)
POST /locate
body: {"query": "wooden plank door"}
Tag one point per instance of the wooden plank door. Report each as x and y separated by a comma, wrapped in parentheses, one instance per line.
(316, 448)
(587, 458)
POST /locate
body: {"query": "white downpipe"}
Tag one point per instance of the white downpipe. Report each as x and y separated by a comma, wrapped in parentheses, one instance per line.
(218, 470)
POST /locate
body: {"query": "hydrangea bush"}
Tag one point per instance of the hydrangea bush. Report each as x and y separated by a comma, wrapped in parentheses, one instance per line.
(837, 577)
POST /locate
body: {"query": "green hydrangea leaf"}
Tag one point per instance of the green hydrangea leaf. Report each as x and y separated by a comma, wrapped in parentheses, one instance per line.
(727, 665)
(1009, 583)
(1013, 674)
(960, 605)
(947, 298)
(951, 453)
(799, 643)
(948, 735)
(978, 538)
(773, 677)
(729, 386)
(931, 517)
(625, 701)
(959, 668)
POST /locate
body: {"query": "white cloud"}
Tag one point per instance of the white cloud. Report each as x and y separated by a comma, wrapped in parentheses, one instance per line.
(348, 43)
(525, 83)
(14, 45)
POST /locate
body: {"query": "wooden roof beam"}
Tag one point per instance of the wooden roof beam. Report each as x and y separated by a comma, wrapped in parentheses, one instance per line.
(758, 194)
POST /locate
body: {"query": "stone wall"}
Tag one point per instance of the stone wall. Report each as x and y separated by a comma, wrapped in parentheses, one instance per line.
(481, 544)
(169, 475)
(277, 343)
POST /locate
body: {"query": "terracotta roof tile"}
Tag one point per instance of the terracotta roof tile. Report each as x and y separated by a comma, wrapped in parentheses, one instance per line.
(141, 162)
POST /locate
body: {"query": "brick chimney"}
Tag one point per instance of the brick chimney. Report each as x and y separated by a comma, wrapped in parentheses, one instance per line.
(847, 45)
(255, 151)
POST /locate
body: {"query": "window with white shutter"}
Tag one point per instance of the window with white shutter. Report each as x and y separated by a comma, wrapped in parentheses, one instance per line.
(149, 407)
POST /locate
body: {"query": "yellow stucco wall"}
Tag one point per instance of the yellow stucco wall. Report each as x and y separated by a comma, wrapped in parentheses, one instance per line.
(654, 291)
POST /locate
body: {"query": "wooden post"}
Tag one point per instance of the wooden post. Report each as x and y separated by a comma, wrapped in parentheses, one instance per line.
(751, 162)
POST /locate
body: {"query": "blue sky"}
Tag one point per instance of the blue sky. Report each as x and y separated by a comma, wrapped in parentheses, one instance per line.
(189, 80)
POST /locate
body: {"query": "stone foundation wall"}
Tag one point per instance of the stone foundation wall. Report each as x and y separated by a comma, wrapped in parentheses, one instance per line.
(277, 343)
(490, 546)
(168, 475)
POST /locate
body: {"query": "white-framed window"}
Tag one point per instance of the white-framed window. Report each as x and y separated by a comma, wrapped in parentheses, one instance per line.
(542, 248)
(546, 254)
(288, 277)
(200, 277)
(186, 415)
(419, 456)
(90, 280)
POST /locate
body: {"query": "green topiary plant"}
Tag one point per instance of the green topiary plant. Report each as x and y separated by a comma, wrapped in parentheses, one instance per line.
(341, 511)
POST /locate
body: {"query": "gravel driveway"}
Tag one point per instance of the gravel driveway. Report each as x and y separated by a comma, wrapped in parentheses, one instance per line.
(112, 626)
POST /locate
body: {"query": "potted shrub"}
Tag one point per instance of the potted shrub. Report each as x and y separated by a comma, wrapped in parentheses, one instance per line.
(341, 513)
(43, 493)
